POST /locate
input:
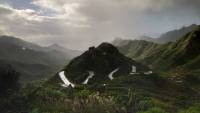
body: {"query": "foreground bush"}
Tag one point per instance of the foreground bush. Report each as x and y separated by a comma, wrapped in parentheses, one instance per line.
(154, 110)
(193, 109)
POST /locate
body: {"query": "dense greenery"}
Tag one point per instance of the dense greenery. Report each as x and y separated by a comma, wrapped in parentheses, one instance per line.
(173, 87)
(8, 79)
(10, 98)
(125, 94)
(32, 61)
(102, 60)
(174, 35)
(183, 53)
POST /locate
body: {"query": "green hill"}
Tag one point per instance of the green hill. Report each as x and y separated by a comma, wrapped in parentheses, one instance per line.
(32, 61)
(125, 93)
(101, 61)
(174, 35)
(164, 57)
(158, 78)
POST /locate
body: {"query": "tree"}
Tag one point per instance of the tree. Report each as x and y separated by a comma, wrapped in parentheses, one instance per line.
(8, 79)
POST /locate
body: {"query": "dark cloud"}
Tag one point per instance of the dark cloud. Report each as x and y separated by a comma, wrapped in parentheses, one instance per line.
(93, 21)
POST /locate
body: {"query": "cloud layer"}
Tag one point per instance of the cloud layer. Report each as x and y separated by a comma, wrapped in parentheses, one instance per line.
(81, 23)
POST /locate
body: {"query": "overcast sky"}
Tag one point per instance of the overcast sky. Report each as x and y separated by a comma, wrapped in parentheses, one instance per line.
(78, 24)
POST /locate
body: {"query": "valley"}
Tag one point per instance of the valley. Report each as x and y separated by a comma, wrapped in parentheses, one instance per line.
(134, 76)
(99, 56)
(31, 60)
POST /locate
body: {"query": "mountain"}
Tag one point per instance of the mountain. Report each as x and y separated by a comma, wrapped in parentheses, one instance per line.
(31, 60)
(170, 36)
(182, 53)
(120, 42)
(137, 49)
(70, 53)
(175, 35)
(103, 80)
(101, 64)
(147, 38)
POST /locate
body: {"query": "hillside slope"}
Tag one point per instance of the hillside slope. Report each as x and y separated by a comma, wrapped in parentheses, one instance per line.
(101, 64)
(170, 36)
(32, 61)
(92, 89)
(182, 53)
(174, 35)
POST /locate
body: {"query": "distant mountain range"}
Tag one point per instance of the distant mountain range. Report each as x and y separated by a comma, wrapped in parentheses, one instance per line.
(170, 36)
(184, 53)
(31, 60)
(70, 53)
(174, 35)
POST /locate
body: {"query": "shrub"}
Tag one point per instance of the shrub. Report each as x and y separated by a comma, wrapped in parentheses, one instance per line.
(154, 110)
(192, 109)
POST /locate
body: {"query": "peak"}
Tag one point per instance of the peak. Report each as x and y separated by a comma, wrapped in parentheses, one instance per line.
(5, 37)
(197, 28)
(118, 39)
(101, 61)
(191, 40)
(195, 34)
(193, 25)
(107, 47)
(106, 44)
(10, 39)
(54, 45)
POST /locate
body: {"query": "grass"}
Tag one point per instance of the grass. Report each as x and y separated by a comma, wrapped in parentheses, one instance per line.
(131, 93)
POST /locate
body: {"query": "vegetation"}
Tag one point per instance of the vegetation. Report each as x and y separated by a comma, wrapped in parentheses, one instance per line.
(136, 94)
(32, 61)
(10, 98)
(193, 109)
(173, 87)
(183, 53)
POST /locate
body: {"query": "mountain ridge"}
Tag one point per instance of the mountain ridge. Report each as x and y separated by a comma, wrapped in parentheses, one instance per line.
(174, 35)
(170, 36)
(177, 53)
(31, 60)
(100, 64)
